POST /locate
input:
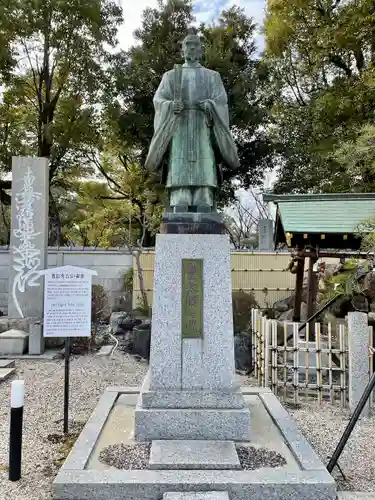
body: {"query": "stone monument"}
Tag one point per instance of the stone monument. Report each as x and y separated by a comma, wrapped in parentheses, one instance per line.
(192, 353)
(28, 246)
(191, 420)
(265, 231)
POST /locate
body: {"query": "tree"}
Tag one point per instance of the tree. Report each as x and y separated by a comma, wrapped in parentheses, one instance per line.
(229, 48)
(322, 56)
(52, 65)
(243, 217)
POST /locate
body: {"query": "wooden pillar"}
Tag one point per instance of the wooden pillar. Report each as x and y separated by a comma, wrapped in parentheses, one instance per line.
(298, 290)
(311, 295)
(312, 289)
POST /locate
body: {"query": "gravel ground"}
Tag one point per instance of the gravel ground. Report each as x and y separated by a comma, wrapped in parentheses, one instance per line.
(89, 377)
(137, 456)
(121, 456)
(323, 426)
(254, 458)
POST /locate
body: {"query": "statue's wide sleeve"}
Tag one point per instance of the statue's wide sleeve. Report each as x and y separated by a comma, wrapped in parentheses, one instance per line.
(220, 114)
(164, 123)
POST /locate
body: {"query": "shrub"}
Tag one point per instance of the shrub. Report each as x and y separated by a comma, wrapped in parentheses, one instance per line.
(99, 310)
(242, 304)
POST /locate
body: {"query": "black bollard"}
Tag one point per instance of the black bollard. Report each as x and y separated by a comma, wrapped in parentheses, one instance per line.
(15, 438)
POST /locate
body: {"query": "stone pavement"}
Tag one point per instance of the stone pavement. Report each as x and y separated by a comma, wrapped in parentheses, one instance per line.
(7, 368)
(356, 495)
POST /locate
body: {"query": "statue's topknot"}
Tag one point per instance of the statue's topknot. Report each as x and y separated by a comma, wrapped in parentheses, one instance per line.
(192, 34)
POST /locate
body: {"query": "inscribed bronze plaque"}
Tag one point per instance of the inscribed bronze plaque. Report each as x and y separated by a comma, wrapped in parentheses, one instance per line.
(192, 298)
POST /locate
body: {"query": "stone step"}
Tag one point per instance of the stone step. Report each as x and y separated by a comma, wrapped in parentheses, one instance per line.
(195, 424)
(193, 454)
(197, 495)
(5, 373)
(105, 350)
(7, 363)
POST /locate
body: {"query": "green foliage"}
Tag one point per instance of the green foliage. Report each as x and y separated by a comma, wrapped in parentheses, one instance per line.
(128, 279)
(52, 64)
(321, 55)
(366, 231)
(99, 303)
(229, 48)
(344, 282)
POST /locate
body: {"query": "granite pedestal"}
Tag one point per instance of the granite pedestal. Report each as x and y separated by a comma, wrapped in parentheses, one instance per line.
(85, 476)
(191, 391)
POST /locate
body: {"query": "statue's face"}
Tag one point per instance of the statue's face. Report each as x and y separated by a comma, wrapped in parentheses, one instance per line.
(192, 49)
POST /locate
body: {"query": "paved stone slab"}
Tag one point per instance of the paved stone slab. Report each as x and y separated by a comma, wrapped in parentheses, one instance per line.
(46, 356)
(356, 495)
(7, 363)
(5, 373)
(192, 399)
(191, 495)
(105, 350)
(13, 342)
(193, 455)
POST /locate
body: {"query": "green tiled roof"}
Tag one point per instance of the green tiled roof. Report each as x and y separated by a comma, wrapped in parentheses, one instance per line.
(323, 213)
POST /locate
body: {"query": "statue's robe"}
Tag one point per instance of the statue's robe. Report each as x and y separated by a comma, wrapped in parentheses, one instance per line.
(195, 145)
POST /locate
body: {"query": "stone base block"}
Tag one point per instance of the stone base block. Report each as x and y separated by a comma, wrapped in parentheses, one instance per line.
(199, 495)
(192, 223)
(217, 424)
(13, 342)
(188, 399)
(192, 399)
(36, 339)
(193, 455)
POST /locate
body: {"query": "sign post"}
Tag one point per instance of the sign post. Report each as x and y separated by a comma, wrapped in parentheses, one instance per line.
(67, 312)
(66, 385)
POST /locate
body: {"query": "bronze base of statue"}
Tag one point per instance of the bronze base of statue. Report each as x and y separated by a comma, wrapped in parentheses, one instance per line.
(192, 223)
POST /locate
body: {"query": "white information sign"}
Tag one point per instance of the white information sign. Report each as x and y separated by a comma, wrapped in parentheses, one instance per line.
(67, 302)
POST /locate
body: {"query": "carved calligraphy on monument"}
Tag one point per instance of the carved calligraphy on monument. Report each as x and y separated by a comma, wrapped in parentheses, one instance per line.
(192, 298)
(26, 256)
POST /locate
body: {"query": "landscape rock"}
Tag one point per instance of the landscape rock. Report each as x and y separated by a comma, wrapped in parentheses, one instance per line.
(286, 316)
(4, 324)
(141, 342)
(145, 325)
(126, 342)
(371, 318)
(242, 304)
(369, 284)
(360, 303)
(243, 352)
(283, 305)
(121, 322)
(128, 322)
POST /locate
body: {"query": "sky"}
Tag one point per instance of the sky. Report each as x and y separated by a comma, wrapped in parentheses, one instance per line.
(205, 11)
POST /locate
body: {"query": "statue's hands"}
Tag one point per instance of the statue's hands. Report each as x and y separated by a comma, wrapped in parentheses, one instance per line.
(177, 107)
(206, 107)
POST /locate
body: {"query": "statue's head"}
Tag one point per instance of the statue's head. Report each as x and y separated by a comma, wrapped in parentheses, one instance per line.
(192, 46)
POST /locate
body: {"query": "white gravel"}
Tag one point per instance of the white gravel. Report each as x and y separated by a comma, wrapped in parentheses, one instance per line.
(89, 376)
(323, 427)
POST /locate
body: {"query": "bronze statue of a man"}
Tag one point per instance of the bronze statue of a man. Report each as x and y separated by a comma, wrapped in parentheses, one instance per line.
(191, 129)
